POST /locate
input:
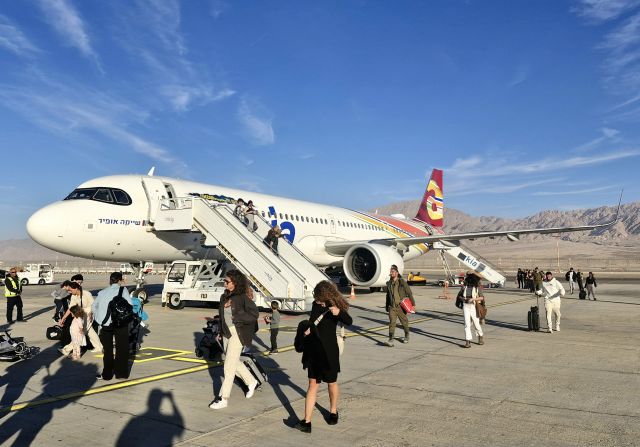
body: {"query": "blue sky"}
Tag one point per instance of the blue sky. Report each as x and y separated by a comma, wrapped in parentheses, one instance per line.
(526, 105)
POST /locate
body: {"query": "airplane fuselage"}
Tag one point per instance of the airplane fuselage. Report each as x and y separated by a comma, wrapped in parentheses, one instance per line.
(118, 227)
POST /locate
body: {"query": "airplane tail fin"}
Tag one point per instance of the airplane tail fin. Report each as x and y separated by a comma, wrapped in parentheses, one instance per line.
(431, 209)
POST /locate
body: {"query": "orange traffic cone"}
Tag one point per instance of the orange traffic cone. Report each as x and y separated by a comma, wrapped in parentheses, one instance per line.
(353, 293)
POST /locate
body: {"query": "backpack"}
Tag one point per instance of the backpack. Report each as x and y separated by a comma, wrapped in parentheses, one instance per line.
(120, 311)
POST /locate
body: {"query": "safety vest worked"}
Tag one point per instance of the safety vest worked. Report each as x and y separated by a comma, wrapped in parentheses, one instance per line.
(16, 285)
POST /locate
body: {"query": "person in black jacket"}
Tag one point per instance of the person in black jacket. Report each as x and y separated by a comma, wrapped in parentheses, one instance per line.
(591, 285)
(319, 344)
(238, 322)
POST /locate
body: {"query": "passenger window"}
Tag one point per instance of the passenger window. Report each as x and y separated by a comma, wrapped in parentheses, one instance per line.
(286, 216)
(280, 216)
(103, 195)
(263, 215)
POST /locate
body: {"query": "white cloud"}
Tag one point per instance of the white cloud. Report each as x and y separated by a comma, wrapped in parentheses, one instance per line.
(163, 18)
(603, 10)
(14, 40)
(609, 135)
(183, 97)
(466, 163)
(574, 192)
(218, 7)
(501, 174)
(259, 130)
(72, 110)
(67, 22)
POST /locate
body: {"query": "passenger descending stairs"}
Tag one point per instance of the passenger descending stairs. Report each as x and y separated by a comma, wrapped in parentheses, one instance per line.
(288, 276)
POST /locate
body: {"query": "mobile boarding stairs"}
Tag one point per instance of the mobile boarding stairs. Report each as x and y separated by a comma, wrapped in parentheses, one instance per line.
(288, 276)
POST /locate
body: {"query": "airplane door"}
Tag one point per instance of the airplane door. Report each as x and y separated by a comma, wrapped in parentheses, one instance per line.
(332, 224)
(156, 191)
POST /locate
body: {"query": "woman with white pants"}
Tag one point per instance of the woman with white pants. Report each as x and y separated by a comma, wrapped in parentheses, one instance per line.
(471, 294)
(238, 322)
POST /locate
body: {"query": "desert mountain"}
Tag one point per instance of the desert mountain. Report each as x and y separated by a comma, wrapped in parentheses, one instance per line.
(625, 232)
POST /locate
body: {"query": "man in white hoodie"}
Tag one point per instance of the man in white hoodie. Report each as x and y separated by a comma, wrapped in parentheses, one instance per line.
(552, 291)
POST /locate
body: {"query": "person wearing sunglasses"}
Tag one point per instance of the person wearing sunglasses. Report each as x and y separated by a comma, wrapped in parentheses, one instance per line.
(238, 322)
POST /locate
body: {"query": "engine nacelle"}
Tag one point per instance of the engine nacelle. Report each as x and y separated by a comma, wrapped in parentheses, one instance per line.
(367, 265)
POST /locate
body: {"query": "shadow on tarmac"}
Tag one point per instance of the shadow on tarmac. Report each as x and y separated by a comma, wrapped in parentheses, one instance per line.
(154, 427)
(71, 376)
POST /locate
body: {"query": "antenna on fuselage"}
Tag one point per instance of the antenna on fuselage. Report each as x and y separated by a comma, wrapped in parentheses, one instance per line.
(151, 171)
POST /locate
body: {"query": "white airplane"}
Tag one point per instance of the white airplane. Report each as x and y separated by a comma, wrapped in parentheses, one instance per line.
(109, 218)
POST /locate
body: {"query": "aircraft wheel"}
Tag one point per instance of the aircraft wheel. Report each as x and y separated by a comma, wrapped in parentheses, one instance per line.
(41, 282)
(24, 281)
(142, 295)
(175, 302)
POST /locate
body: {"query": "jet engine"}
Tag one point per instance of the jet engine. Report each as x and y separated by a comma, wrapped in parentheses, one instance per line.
(367, 265)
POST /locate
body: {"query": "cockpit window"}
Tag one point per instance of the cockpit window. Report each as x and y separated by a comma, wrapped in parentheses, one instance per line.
(122, 198)
(106, 195)
(103, 195)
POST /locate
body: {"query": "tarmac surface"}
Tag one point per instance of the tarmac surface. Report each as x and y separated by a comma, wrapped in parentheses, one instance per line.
(579, 386)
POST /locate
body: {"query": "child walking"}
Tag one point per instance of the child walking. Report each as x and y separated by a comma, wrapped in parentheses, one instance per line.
(274, 321)
(78, 338)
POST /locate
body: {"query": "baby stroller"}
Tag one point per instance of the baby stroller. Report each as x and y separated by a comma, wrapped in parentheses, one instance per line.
(138, 328)
(12, 349)
(209, 343)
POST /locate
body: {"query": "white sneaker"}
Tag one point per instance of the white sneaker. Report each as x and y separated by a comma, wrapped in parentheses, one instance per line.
(251, 390)
(96, 351)
(219, 403)
(557, 329)
(549, 331)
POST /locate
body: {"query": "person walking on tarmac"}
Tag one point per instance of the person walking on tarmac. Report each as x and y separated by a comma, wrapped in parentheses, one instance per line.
(238, 322)
(471, 294)
(591, 285)
(101, 314)
(552, 291)
(397, 290)
(538, 276)
(13, 292)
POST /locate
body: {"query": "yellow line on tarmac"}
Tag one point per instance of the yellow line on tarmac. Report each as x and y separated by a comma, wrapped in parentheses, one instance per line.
(204, 365)
(102, 389)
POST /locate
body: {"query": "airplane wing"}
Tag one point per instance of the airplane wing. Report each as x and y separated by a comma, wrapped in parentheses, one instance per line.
(339, 248)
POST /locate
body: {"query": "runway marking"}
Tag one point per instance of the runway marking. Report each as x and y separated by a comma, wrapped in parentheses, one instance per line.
(102, 389)
(177, 355)
(149, 354)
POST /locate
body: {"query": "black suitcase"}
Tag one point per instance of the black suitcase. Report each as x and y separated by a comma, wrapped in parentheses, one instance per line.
(533, 319)
(582, 294)
(255, 368)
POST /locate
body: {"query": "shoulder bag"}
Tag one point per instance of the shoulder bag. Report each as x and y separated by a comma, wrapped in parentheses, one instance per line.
(339, 337)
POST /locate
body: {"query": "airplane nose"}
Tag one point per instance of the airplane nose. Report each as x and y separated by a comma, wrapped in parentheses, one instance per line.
(47, 226)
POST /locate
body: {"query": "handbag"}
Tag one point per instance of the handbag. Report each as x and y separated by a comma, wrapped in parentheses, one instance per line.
(407, 306)
(339, 337)
(481, 311)
(459, 302)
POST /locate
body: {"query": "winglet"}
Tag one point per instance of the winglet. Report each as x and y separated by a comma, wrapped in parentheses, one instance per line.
(151, 171)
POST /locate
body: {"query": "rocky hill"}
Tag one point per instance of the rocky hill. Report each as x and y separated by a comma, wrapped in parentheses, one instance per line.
(625, 232)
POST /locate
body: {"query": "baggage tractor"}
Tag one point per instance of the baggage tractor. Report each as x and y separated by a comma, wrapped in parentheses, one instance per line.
(582, 294)
(255, 368)
(533, 319)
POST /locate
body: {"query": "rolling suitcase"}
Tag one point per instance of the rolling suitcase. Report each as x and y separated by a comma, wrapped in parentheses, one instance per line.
(582, 294)
(255, 368)
(533, 319)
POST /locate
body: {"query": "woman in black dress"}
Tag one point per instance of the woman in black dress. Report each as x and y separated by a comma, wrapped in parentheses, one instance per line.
(321, 355)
